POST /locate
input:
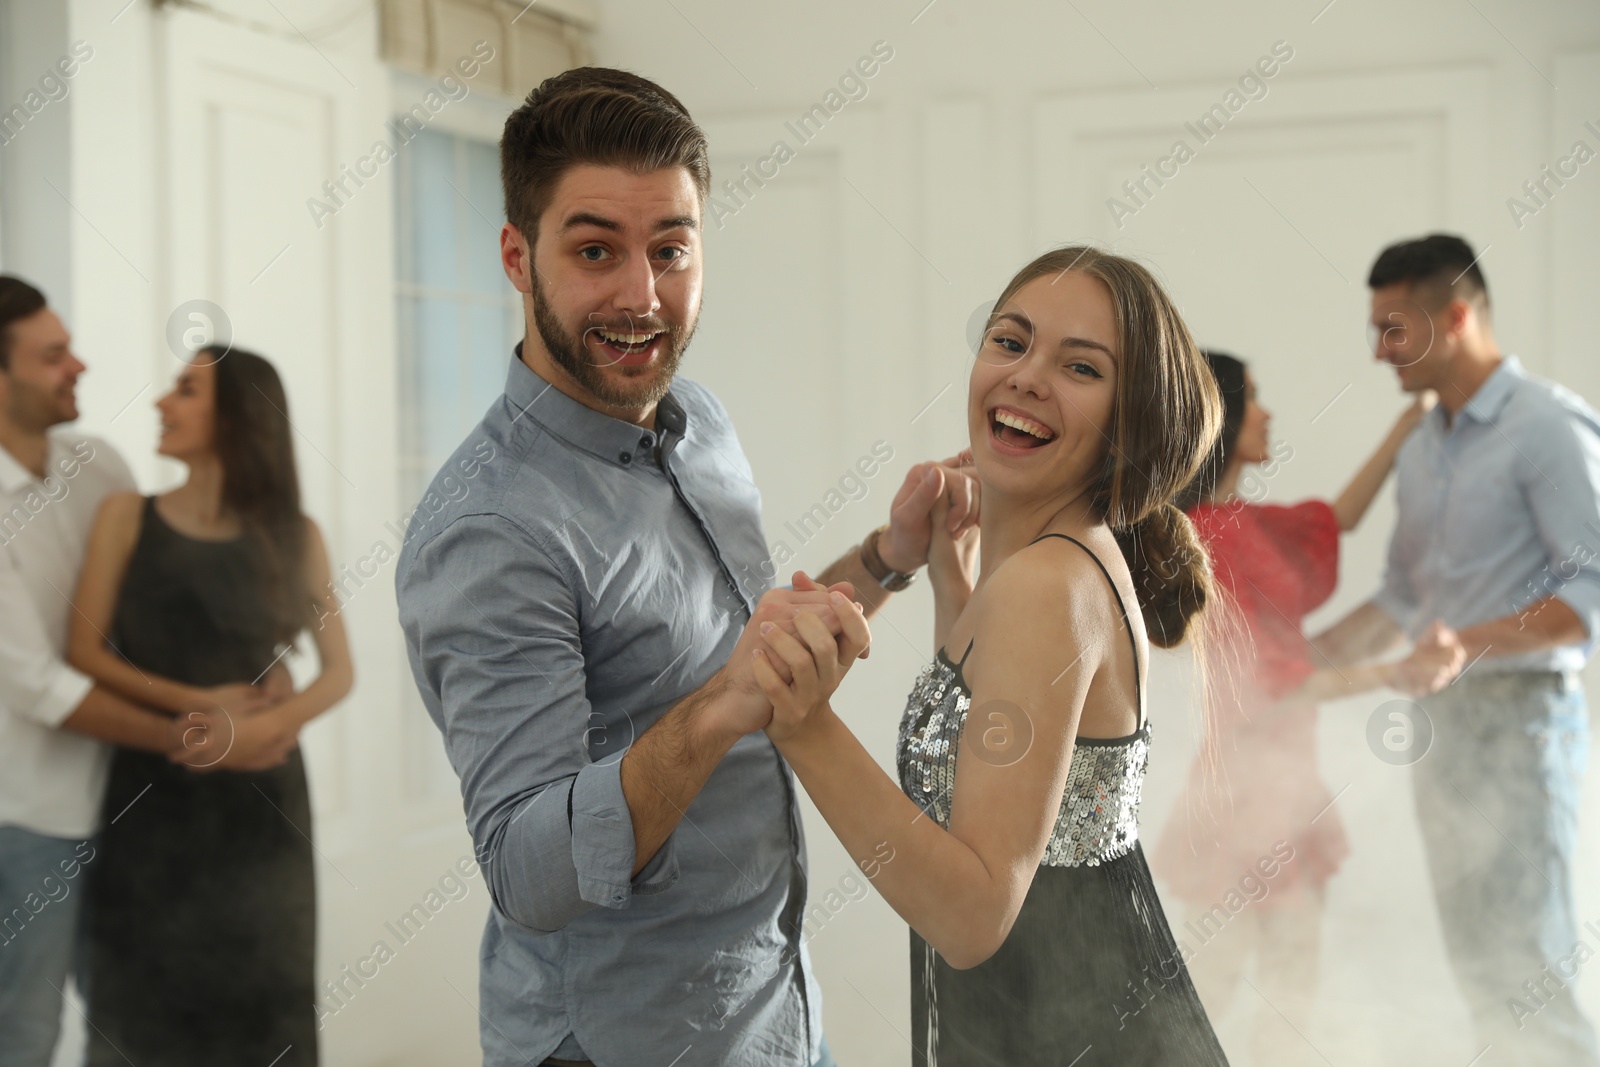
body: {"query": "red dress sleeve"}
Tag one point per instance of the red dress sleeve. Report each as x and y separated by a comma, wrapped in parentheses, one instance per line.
(1306, 535)
(1276, 564)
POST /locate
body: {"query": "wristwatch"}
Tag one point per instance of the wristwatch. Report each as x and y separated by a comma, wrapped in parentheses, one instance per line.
(892, 580)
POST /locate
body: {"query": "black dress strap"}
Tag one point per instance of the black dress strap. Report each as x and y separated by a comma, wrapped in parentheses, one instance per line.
(1133, 642)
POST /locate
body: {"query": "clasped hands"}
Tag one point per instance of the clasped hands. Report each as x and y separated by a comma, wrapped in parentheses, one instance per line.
(800, 643)
(1435, 661)
(791, 656)
(232, 727)
(798, 669)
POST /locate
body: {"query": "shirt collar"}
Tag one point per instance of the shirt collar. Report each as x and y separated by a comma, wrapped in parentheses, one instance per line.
(1486, 403)
(614, 440)
(13, 475)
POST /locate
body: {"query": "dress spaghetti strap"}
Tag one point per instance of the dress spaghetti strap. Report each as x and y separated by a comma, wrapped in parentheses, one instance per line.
(1133, 642)
(963, 661)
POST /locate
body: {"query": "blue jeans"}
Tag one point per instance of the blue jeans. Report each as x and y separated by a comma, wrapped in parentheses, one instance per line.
(1497, 801)
(41, 890)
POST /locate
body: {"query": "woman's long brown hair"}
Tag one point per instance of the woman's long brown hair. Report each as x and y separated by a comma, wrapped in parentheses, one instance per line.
(254, 442)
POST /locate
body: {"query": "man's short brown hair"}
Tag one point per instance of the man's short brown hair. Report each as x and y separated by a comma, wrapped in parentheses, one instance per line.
(600, 116)
(18, 300)
(1438, 267)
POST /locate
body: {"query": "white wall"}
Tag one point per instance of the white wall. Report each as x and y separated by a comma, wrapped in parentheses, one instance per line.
(836, 311)
(35, 157)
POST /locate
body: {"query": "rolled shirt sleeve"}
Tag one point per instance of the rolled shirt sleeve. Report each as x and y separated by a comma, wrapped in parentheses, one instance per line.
(494, 636)
(35, 682)
(1560, 479)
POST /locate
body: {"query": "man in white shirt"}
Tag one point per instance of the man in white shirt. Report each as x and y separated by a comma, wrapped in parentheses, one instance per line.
(54, 721)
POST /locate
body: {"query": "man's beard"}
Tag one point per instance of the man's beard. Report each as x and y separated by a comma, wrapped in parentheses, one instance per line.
(37, 410)
(643, 387)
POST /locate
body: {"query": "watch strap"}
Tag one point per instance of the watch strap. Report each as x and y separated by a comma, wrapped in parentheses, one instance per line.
(889, 579)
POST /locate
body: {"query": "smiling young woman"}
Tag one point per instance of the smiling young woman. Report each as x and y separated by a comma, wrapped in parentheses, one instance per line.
(1014, 824)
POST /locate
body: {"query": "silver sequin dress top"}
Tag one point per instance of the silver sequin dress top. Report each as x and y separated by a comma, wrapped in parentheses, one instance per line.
(1099, 817)
(1089, 973)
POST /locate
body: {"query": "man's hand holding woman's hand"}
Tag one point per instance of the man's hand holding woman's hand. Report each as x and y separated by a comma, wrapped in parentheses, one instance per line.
(231, 727)
(799, 671)
(745, 707)
(1436, 660)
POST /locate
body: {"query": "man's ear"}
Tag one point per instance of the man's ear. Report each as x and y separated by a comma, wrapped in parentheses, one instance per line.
(516, 258)
(1456, 314)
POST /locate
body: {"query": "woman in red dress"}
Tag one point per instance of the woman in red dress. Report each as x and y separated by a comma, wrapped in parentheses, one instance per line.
(1253, 838)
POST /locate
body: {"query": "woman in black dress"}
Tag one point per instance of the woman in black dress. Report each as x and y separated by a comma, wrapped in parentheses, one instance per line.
(203, 911)
(1011, 842)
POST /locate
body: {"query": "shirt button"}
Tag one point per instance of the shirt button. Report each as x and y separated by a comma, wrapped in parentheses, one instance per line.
(644, 442)
(626, 457)
(617, 899)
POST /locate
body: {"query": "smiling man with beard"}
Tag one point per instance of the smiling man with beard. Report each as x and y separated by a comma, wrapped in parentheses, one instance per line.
(578, 635)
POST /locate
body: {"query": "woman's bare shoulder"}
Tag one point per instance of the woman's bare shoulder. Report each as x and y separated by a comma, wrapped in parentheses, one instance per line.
(121, 512)
(1070, 571)
(117, 525)
(1047, 602)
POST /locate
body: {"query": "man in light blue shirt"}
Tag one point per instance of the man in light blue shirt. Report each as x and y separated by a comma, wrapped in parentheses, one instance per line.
(1494, 573)
(580, 615)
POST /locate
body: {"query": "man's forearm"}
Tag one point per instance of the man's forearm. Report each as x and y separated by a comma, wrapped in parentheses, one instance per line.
(1365, 633)
(1547, 623)
(107, 717)
(665, 769)
(1331, 683)
(849, 568)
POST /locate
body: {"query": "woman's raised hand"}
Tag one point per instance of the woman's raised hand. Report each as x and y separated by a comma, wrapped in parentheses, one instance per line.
(952, 558)
(814, 660)
(904, 546)
(1420, 405)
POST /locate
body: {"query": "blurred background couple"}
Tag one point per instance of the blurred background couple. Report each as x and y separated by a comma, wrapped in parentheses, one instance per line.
(155, 825)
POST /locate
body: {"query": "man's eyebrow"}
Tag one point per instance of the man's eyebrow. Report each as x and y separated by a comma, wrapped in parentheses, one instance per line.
(589, 218)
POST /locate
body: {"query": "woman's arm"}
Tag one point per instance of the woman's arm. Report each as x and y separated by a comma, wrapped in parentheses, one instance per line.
(1357, 497)
(941, 886)
(962, 889)
(1336, 683)
(105, 563)
(952, 569)
(265, 738)
(1366, 632)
